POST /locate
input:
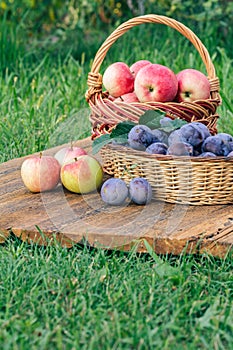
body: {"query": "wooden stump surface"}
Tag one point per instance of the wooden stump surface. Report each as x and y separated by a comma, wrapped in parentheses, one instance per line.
(71, 218)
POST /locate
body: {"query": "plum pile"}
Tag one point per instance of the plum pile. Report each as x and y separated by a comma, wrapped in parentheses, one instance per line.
(191, 139)
(115, 191)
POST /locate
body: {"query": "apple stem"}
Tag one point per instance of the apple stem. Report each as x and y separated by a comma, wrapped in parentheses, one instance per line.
(40, 154)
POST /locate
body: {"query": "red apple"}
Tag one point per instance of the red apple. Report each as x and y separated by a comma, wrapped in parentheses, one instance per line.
(155, 82)
(82, 175)
(111, 98)
(136, 66)
(128, 98)
(67, 153)
(118, 79)
(40, 173)
(192, 85)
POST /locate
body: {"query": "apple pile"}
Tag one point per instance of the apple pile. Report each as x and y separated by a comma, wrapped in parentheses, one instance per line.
(144, 81)
(72, 166)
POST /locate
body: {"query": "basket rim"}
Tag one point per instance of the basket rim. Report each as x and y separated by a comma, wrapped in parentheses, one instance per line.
(107, 112)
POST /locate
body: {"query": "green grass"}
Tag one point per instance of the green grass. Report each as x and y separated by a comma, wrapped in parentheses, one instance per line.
(55, 298)
(37, 101)
(42, 99)
(80, 298)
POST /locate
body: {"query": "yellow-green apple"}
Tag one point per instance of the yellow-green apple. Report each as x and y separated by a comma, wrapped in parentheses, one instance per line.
(67, 153)
(128, 98)
(118, 79)
(136, 66)
(155, 82)
(192, 85)
(82, 175)
(40, 173)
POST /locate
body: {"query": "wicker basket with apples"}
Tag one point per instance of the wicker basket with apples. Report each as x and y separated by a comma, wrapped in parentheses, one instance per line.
(132, 99)
(106, 111)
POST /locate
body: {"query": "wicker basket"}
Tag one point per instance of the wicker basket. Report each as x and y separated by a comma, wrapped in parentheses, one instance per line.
(106, 113)
(184, 180)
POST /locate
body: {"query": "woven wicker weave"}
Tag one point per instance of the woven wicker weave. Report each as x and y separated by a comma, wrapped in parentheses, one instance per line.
(183, 180)
(106, 113)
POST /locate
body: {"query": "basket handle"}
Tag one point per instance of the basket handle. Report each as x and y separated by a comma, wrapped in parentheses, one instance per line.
(95, 79)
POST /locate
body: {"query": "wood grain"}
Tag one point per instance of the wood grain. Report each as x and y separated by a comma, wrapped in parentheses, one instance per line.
(71, 218)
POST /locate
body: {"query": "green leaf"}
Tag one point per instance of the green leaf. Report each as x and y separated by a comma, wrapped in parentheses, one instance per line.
(151, 119)
(122, 128)
(173, 125)
(99, 142)
(119, 134)
(121, 139)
